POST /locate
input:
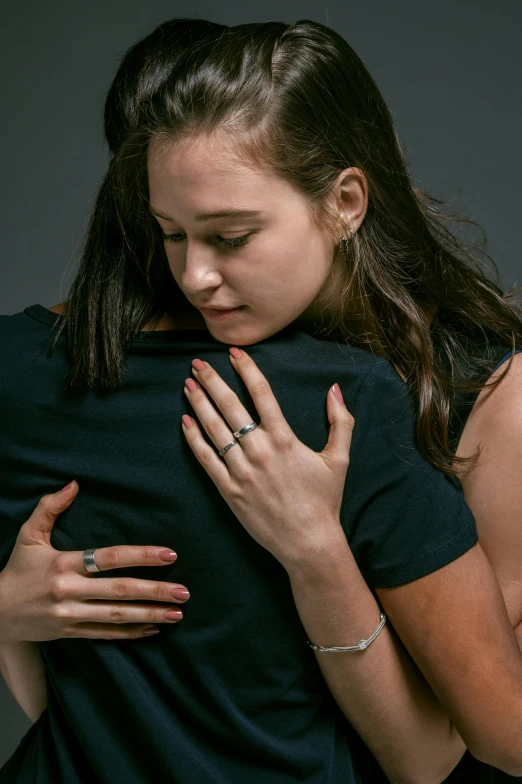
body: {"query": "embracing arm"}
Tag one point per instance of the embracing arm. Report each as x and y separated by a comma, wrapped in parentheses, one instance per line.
(380, 690)
(455, 623)
(22, 668)
(21, 663)
(455, 626)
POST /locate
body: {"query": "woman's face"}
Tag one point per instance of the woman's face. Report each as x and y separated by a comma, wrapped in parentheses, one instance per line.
(268, 266)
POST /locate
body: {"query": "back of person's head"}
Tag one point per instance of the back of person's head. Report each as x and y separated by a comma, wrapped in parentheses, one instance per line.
(297, 98)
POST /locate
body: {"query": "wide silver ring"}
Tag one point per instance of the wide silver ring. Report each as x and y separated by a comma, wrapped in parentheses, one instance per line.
(226, 448)
(88, 560)
(244, 430)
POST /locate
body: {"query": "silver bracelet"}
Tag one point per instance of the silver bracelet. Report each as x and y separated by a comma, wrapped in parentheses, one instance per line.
(361, 645)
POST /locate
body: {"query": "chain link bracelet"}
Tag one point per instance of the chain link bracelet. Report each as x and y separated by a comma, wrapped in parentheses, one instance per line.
(361, 645)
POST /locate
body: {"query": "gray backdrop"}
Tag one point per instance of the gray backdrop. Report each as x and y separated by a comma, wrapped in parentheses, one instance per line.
(450, 72)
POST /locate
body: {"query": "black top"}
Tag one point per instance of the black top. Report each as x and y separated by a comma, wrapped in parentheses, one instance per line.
(232, 693)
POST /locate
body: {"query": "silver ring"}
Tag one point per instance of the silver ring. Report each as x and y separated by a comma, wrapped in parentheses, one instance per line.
(244, 430)
(88, 560)
(226, 448)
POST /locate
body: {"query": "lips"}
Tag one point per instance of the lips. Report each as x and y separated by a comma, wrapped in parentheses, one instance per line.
(218, 307)
(220, 314)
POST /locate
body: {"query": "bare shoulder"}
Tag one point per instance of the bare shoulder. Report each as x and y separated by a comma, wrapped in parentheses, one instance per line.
(497, 413)
(61, 308)
(493, 489)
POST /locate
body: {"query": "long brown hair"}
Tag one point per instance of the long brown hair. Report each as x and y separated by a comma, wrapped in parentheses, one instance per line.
(298, 97)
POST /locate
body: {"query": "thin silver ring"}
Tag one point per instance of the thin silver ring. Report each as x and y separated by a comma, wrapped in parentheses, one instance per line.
(226, 448)
(88, 560)
(244, 430)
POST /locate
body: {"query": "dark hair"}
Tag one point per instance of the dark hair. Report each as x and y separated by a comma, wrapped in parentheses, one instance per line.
(295, 96)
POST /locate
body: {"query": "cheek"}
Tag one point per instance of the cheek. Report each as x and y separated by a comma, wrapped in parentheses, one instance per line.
(174, 266)
(298, 275)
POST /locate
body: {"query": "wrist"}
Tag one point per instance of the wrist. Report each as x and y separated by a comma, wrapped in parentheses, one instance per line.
(321, 560)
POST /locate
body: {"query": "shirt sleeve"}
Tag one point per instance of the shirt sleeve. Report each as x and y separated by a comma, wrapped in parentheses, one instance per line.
(403, 518)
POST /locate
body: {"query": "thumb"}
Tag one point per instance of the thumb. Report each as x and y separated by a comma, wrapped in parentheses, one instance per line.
(337, 449)
(37, 528)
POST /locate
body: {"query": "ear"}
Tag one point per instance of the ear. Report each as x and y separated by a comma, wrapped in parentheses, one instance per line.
(350, 192)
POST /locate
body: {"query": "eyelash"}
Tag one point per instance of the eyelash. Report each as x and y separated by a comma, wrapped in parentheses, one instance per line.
(235, 242)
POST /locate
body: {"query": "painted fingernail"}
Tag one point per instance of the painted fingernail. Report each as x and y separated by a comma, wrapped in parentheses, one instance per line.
(337, 393)
(173, 615)
(187, 421)
(236, 353)
(180, 593)
(191, 384)
(167, 555)
(198, 364)
(151, 630)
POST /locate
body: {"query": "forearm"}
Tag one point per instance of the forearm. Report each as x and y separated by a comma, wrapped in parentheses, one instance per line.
(22, 668)
(380, 690)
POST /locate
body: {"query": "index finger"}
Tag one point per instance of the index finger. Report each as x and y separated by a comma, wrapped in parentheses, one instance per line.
(260, 390)
(119, 556)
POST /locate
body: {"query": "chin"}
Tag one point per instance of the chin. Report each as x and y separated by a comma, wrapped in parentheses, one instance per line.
(244, 335)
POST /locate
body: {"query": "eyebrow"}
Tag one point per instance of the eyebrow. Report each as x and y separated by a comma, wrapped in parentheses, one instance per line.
(206, 216)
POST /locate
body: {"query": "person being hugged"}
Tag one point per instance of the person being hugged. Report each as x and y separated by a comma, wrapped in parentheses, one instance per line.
(276, 353)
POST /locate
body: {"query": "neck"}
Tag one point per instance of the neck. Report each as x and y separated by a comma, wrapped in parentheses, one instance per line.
(343, 319)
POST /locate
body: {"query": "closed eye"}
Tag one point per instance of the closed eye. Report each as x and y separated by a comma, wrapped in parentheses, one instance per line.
(236, 242)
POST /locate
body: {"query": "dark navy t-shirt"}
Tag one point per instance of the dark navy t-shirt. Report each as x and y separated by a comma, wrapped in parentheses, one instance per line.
(232, 693)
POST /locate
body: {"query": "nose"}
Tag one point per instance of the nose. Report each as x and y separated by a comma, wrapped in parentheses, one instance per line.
(200, 271)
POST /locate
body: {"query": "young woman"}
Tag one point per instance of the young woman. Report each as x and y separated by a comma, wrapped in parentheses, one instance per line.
(283, 123)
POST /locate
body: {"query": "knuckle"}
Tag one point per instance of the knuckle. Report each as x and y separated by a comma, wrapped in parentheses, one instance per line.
(197, 396)
(120, 588)
(282, 440)
(59, 588)
(160, 592)
(260, 457)
(229, 401)
(63, 611)
(61, 563)
(150, 556)
(114, 557)
(349, 420)
(215, 426)
(205, 458)
(206, 373)
(115, 615)
(244, 474)
(236, 492)
(44, 502)
(261, 388)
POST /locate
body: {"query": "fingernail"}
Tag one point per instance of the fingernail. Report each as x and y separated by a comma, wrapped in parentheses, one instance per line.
(67, 487)
(167, 555)
(151, 630)
(198, 364)
(173, 615)
(236, 353)
(191, 384)
(187, 421)
(337, 393)
(180, 593)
